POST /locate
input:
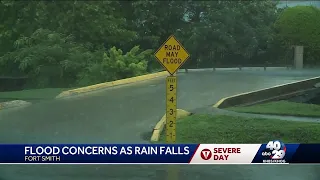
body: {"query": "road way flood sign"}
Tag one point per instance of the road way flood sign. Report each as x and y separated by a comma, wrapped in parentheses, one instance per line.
(172, 55)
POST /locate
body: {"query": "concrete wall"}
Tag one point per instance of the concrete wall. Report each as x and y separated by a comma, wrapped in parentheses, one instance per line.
(268, 94)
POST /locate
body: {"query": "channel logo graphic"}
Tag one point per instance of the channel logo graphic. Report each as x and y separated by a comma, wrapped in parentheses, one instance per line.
(274, 152)
(206, 154)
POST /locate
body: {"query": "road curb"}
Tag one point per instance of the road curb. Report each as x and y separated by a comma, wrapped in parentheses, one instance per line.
(110, 84)
(234, 69)
(268, 94)
(13, 104)
(157, 130)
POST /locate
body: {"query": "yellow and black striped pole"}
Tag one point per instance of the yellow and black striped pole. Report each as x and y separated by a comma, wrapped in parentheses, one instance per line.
(171, 118)
(171, 109)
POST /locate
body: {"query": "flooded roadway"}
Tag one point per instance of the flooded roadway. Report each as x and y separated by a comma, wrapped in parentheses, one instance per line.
(125, 115)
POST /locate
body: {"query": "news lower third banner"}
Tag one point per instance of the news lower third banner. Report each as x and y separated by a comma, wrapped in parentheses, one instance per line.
(272, 152)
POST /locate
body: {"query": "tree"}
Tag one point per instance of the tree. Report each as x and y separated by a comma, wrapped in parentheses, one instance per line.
(300, 25)
(52, 42)
(75, 42)
(235, 29)
(50, 59)
(153, 21)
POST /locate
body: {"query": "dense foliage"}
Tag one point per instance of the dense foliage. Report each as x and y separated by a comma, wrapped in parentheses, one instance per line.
(77, 43)
(300, 25)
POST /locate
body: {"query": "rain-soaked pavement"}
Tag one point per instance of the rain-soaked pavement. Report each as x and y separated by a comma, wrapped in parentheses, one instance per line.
(126, 115)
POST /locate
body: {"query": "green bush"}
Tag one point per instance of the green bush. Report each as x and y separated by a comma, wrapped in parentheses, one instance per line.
(52, 59)
(115, 65)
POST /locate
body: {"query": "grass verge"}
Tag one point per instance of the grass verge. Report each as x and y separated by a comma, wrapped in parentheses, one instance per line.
(230, 129)
(281, 108)
(32, 94)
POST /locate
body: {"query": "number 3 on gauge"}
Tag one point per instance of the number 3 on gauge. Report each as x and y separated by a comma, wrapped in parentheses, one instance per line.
(171, 112)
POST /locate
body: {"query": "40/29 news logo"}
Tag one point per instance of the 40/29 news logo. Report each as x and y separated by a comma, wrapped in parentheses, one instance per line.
(275, 152)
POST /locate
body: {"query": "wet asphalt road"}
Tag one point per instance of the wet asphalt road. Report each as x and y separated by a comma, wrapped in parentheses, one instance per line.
(126, 115)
